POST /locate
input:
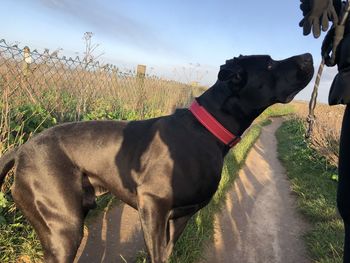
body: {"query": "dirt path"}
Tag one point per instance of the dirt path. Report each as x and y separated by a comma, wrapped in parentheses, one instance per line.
(112, 237)
(259, 222)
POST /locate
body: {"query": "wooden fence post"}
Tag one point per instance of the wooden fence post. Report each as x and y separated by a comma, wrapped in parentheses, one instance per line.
(140, 77)
(27, 60)
(141, 71)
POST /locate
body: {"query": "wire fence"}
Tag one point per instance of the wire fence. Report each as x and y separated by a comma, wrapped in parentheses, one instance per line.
(40, 89)
(46, 78)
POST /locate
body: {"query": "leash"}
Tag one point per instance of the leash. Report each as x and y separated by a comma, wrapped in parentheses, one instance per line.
(339, 33)
(338, 36)
(313, 101)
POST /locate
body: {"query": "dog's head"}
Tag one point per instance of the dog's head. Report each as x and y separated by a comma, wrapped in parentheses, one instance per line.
(260, 81)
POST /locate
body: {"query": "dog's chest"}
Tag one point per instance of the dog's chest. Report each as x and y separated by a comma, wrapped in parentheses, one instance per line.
(195, 188)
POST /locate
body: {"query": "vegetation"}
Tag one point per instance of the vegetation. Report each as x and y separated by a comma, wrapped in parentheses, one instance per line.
(313, 178)
(326, 131)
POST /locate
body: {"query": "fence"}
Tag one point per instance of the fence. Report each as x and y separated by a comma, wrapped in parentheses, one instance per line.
(30, 76)
(71, 89)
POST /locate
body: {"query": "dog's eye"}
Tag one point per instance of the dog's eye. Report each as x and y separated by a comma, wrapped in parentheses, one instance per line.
(270, 65)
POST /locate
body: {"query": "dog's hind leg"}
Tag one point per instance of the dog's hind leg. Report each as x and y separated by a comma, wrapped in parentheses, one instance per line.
(51, 199)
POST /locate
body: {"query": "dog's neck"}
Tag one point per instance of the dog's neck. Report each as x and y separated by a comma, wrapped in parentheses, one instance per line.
(227, 109)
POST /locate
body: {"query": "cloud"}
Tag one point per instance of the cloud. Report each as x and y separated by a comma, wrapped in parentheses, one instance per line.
(109, 21)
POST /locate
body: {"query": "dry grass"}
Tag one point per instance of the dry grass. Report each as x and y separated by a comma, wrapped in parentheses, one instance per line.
(326, 132)
(73, 89)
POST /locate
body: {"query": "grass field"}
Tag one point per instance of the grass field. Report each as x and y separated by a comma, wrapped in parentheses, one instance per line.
(313, 179)
(326, 133)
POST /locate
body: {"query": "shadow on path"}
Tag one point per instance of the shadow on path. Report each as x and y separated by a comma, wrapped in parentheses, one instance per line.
(259, 221)
(111, 237)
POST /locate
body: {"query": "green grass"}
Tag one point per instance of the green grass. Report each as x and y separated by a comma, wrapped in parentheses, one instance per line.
(266, 122)
(312, 180)
(276, 111)
(103, 203)
(17, 238)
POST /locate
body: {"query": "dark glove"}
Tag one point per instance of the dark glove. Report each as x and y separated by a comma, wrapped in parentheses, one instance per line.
(327, 48)
(317, 13)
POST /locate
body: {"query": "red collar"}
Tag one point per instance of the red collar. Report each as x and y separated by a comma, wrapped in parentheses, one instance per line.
(215, 127)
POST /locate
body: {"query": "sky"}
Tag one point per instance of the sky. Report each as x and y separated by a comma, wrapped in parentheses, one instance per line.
(184, 40)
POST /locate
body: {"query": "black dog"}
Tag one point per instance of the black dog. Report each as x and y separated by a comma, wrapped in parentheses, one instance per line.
(167, 168)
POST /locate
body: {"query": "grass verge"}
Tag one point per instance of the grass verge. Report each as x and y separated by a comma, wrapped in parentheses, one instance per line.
(314, 182)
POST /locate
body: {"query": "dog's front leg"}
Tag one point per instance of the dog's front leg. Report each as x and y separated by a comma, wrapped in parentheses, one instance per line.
(154, 213)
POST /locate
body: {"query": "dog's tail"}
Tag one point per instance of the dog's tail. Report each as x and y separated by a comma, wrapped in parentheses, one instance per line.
(7, 161)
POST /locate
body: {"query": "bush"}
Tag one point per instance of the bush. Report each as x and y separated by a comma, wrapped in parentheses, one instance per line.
(28, 119)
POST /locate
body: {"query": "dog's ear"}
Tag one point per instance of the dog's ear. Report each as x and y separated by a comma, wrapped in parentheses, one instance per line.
(232, 72)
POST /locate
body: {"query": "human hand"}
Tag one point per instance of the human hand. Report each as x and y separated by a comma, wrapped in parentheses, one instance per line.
(317, 14)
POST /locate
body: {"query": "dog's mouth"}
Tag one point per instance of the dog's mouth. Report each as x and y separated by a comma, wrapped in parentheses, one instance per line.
(304, 76)
(288, 97)
(291, 96)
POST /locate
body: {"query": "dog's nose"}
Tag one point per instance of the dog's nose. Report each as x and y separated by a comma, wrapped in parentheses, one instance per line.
(307, 58)
(305, 61)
